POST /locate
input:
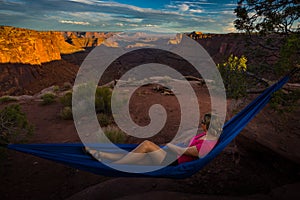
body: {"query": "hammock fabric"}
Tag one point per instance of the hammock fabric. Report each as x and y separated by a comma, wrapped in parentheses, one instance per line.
(72, 154)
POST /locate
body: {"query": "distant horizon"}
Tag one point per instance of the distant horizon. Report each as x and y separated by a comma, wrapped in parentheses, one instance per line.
(103, 31)
(183, 16)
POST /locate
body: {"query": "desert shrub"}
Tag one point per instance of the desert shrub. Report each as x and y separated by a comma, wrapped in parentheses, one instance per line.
(48, 98)
(234, 77)
(285, 102)
(104, 119)
(103, 100)
(14, 126)
(66, 113)
(114, 134)
(102, 97)
(56, 88)
(66, 100)
(289, 54)
(67, 86)
(6, 99)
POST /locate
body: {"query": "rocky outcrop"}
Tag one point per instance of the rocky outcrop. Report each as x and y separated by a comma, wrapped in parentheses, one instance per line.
(25, 46)
(220, 46)
(278, 132)
(85, 39)
(20, 79)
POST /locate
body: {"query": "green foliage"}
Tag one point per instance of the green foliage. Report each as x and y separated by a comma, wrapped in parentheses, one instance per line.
(84, 90)
(56, 88)
(84, 94)
(234, 77)
(267, 16)
(277, 22)
(114, 134)
(6, 99)
(103, 100)
(14, 126)
(66, 100)
(66, 113)
(285, 102)
(289, 54)
(48, 98)
(104, 119)
(66, 86)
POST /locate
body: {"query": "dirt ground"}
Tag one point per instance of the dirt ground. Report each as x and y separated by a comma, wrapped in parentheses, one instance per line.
(249, 172)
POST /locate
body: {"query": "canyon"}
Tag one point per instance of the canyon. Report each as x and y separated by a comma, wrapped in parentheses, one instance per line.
(31, 61)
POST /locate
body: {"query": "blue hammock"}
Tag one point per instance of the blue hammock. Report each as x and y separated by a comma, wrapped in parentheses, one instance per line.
(72, 154)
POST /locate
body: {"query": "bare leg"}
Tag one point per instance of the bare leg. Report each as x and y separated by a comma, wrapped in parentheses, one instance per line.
(111, 156)
(106, 155)
(144, 160)
(147, 152)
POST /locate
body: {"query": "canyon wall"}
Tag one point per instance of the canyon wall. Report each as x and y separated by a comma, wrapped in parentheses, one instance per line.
(85, 39)
(25, 46)
(33, 60)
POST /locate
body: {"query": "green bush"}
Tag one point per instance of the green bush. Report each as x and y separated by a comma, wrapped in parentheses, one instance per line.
(48, 98)
(103, 100)
(103, 119)
(67, 86)
(289, 54)
(14, 126)
(285, 102)
(56, 88)
(234, 77)
(66, 113)
(114, 134)
(6, 99)
(66, 100)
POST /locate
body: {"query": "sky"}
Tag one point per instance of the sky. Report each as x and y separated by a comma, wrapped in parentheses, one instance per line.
(208, 16)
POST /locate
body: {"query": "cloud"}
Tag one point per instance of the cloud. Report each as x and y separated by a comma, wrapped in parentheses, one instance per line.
(195, 2)
(229, 28)
(133, 25)
(73, 22)
(91, 2)
(150, 25)
(184, 7)
(196, 11)
(90, 15)
(12, 2)
(119, 24)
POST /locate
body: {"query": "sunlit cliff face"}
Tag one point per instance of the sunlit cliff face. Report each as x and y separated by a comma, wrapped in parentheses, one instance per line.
(25, 46)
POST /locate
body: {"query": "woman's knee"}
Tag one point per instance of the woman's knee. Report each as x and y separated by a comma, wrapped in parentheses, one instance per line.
(148, 145)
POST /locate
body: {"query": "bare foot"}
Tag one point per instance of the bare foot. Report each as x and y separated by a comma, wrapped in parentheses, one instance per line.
(94, 153)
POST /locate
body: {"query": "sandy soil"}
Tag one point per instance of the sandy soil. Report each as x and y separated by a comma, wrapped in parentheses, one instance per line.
(251, 172)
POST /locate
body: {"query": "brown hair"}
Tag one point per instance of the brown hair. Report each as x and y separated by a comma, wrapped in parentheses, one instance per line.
(212, 124)
(206, 120)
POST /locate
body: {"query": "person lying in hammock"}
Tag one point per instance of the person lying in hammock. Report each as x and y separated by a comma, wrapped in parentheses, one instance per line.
(148, 153)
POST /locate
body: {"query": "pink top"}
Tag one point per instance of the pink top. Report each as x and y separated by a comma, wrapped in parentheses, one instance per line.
(203, 147)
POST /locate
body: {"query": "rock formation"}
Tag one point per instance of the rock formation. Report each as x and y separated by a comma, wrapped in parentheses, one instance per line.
(25, 46)
(85, 39)
(20, 79)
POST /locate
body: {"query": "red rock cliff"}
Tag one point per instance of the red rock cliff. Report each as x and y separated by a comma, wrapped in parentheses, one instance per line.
(85, 39)
(25, 46)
